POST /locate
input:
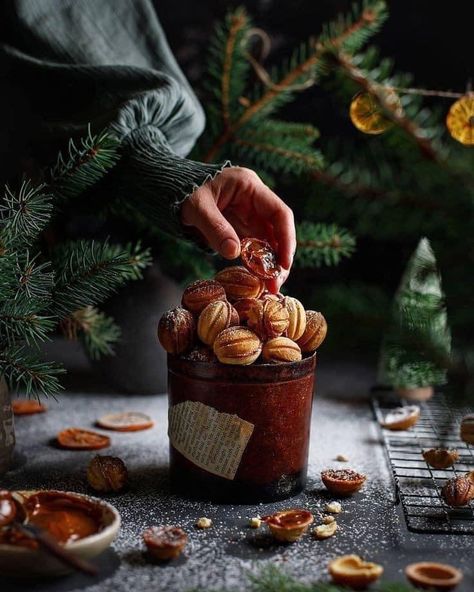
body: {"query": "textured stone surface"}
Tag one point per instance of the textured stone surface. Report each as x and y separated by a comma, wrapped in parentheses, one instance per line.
(371, 524)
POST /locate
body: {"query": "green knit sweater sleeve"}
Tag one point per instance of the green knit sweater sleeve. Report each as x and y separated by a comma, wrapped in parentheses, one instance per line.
(68, 63)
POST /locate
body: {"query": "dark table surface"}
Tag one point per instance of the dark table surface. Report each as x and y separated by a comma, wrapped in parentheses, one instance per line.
(372, 525)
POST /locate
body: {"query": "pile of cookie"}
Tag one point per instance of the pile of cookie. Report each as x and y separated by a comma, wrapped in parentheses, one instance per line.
(233, 319)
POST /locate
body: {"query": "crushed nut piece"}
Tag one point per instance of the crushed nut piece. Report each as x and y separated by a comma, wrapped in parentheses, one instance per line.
(324, 531)
(328, 519)
(333, 508)
(204, 523)
(342, 458)
(255, 522)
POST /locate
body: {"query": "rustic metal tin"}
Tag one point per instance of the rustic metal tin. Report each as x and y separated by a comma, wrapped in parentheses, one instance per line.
(276, 399)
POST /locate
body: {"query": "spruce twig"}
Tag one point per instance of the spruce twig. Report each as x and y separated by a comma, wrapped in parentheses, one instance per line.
(98, 332)
(322, 244)
(83, 165)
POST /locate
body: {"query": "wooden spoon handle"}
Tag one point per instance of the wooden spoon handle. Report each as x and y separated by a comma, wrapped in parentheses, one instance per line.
(58, 551)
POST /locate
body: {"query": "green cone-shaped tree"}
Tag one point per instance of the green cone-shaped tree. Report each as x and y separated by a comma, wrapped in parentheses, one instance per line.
(417, 346)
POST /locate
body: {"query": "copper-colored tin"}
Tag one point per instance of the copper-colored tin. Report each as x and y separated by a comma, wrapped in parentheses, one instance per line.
(276, 399)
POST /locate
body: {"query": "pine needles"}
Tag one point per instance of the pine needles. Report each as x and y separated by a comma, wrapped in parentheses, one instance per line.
(83, 164)
(39, 294)
(273, 579)
(322, 244)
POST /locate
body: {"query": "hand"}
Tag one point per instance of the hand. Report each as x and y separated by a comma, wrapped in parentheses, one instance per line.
(237, 204)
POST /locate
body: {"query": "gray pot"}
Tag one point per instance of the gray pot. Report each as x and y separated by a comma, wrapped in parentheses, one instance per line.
(7, 428)
(139, 365)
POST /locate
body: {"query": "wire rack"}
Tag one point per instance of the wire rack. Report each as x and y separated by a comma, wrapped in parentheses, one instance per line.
(418, 485)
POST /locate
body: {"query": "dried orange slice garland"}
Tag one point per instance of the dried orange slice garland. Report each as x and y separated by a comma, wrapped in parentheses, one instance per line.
(368, 115)
(128, 421)
(79, 439)
(27, 407)
(460, 120)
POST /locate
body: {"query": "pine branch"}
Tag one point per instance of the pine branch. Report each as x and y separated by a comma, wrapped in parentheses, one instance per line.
(391, 110)
(98, 332)
(24, 371)
(278, 158)
(23, 215)
(89, 272)
(322, 244)
(34, 280)
(138, 258)
(273, 579)
(21, 320)
(304, 64)
(83, 165)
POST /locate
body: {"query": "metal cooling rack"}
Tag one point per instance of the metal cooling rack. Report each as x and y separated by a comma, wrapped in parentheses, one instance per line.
(419, 485)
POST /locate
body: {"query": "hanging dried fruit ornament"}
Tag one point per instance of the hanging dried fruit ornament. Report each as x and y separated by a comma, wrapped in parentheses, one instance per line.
(368, 115)
(460, 120)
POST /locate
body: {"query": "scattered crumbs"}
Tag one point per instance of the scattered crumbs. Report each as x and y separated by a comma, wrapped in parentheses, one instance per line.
(204, 523)
(324, 531)
(328, 519)
(333, 508)
(255, 522)
(342, 458)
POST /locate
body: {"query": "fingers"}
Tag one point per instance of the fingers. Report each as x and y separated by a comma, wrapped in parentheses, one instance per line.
(201, 211)
(267, 204)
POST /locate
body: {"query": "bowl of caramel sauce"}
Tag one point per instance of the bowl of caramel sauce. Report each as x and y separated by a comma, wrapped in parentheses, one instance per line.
(84, 525)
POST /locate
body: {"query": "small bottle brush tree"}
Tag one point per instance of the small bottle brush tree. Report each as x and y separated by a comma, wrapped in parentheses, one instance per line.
(43, 289)
(417, 346)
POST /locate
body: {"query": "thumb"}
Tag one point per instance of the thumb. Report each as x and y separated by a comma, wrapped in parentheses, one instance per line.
(204, 214)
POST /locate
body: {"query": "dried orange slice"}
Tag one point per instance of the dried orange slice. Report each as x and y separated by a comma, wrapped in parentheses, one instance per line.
(128, 421)
(368, 115)
(289, 525)
(79, 439)
(354, 572)
(27, 407)
(259, 258)
(460, 120)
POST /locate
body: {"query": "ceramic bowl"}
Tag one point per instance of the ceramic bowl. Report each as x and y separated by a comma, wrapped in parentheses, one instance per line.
(19, 561)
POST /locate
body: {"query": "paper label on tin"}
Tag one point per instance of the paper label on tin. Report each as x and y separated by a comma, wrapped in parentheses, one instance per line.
(212, 440)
